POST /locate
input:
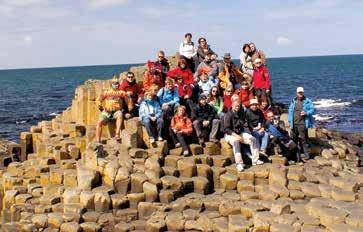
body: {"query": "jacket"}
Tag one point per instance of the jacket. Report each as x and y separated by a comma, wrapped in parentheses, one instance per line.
(183, 90)
(206, 112)
(228, 75)
(211, 69)
(205, 86)
(261, 78)
(183, 124)
(217, 104)
(234, 121)
(227, 102)
(201, 52)
(245, 95)
(308, 108)
(149, 80)
(259, 54)
(186, 74)
(133, 87)
(187, 49)
(149, 108)
(254, 118)
(110, 99)
(163, 65)
(170, 97)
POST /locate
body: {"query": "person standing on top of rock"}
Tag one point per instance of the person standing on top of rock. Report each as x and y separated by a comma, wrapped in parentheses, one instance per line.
(256, 124)
(300, 117)
(234, 121)
(261, 81)
(152, 77)
(150, 115)
(205, 120)
(110, 105)
(168, 99)
(181, 128)
(246, 60)
(188, 51)
(163, 64)
(208, 65)
(134, 95)
(254, 54)
(203, 49)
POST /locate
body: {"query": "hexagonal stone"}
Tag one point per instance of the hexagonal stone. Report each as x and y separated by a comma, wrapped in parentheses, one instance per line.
(228, 181)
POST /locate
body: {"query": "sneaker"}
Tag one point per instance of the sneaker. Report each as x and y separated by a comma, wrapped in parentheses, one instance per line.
(177, 145)
(152, 140)
(240, 167)
(263, 153)
(185, 153)
(259, 162)
(160, 138)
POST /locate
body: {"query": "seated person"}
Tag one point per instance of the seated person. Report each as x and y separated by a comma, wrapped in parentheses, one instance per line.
(209, 66)
(110, 105)
(150, 115)
(168, 99)
(185, 94)
(245, 94)
(205, 84)
(163, 64)
(205, 117)
(229, 73)
(265, 107)
(152, 77)
(203, 49)
(216, 101)
(280, 137)
(261, 81)
(181, 128)
(227, 98)
(256, 124)
(182, 70)
(234, 121)
(133, 96)
(188, 51)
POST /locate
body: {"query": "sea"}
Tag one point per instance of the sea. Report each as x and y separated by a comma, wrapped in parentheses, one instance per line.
(334, 83)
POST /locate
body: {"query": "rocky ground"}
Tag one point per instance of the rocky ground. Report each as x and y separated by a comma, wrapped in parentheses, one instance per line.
(67, 183)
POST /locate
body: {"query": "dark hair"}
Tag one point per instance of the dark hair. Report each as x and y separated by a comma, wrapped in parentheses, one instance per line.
(188, 34)
(201, 38)
(218, 92)
(245, 46)
(130, 73)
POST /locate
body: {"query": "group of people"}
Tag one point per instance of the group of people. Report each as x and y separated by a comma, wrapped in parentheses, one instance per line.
(205, 99)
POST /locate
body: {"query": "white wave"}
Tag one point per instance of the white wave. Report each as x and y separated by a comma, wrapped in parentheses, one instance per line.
(322, 118)
(53, 114)
(328, 103)
(20, 122)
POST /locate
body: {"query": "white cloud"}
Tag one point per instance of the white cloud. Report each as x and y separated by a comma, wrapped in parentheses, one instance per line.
(23, 3)
(28, 39)
(283, 41)
(105, 3)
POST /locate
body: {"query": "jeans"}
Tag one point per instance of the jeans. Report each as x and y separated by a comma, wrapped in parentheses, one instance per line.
(212, 128)
(150, 125)
(236, 145)
(299, 135)
(179, 138)
(261, 140)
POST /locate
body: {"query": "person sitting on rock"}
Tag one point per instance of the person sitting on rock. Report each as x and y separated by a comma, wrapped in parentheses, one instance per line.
(234, 121)
(245, 94)
(216, 101)
(181, 129)
(185, 94)
(163, 64)
(256, 54)
(110, 105)
(205, 84)
(169, 99)
(229, 73)
(150, 115)
(265, 107)
(256, 124)
(205, 120)
(203, 49)
(227, 98)
(300, 117)
(152, 76)
(208, 66)
(188, 51)
(280, 138)
(246, 60)
(261, 81)
(182, 70)
(134, 94)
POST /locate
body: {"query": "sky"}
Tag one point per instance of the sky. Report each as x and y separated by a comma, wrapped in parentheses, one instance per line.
(52, 33)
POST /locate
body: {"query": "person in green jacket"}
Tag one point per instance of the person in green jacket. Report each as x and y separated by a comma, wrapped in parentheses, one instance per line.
(216, 101)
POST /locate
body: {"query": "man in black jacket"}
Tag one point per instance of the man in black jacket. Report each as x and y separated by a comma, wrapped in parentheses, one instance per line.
(205, 117)
(234, 121)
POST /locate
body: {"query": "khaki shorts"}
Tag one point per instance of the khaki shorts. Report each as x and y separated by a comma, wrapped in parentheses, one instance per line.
(109, 116)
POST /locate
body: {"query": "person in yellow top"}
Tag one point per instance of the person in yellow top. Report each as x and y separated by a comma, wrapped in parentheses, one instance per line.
(110, 105)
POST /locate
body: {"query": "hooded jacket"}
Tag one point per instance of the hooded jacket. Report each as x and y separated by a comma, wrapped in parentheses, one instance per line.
(186, 74)
(170, 97)
(149, 108)
(261, 78)
(150, 80)
(308, 108)
(182, 123)
(234, 121)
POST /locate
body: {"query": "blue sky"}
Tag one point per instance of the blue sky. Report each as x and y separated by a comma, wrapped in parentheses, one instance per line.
(48, 33)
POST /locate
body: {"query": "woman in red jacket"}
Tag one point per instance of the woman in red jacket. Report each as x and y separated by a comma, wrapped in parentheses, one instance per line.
(245, 94)
(182, 70)
(181, 128)
(261, 80)
(227, 98)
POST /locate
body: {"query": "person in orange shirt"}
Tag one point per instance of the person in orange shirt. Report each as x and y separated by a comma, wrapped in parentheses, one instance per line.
(153, 76)
(181, 128)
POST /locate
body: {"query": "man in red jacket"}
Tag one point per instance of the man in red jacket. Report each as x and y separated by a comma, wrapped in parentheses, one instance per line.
(261, 80)
(133, 94)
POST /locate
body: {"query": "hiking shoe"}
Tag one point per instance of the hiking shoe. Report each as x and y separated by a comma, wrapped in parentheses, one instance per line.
(177, 145)
(240, 167)
(185, 153)
(214, 140)
(152, 140)
(305, 157)
(160, 138)
(258, 162)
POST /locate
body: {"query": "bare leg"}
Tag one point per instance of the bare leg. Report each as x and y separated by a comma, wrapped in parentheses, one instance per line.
(99, 130)
(119, 120)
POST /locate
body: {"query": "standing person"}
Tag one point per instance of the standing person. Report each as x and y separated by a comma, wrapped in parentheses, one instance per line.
(261, 81)
(110, 105)
(181, 128)
(134, 94)
(150, 115)
(246, 60)
(300, 117)
(203, 49)
(257, 54)
(234, 120)
(205, 117)
(163, 64)
(188, 51)
(256, 124)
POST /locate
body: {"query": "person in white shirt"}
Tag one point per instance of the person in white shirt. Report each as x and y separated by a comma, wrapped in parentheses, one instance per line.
(188, 51)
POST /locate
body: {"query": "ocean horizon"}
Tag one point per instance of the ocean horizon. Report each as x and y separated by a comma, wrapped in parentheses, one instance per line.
(333, 82)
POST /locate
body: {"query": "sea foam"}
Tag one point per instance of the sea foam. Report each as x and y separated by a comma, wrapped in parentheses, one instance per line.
(328, 103)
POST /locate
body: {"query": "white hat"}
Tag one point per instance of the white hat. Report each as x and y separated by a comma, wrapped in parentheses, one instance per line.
(258, 60)
(253, 101)
(299, 89)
